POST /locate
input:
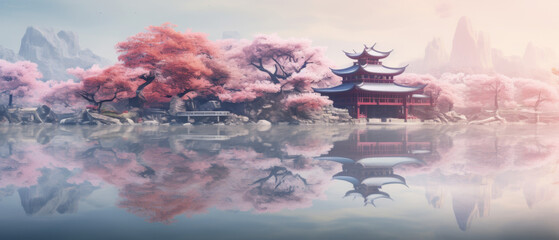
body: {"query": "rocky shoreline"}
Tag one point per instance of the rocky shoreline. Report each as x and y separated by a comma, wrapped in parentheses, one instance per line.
(329, 115)
(44, 114)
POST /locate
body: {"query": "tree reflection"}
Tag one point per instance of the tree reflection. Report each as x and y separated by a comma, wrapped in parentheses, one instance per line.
(166, 171)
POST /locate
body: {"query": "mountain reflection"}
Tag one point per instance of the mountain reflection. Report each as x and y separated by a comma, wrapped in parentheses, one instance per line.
(161, 172)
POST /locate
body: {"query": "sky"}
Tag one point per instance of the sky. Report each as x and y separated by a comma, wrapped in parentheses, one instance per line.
(403, 25)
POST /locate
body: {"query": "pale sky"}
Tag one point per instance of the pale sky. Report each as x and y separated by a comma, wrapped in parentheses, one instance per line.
(403, 25)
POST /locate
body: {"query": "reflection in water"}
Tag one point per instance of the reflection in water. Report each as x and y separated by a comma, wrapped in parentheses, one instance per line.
(375, 154)
(162, 172)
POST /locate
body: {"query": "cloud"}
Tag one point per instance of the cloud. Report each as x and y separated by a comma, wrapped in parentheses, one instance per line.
(444, 10)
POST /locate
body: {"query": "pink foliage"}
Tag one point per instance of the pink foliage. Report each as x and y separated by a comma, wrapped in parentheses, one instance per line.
(442, 92)
(484, 90)
(85, 73)
(270, 64)
(536, 94)
(20, 80)
(181, 62)
(109, 84)
(306, 102)
(62, 96)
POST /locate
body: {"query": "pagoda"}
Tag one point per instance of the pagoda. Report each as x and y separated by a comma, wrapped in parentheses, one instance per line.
(368, 89)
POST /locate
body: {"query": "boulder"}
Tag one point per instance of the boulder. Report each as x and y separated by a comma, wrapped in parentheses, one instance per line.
(211, 105)
(68, 121)
(176, 105)
(46, 115)
(263, 125)
(104, 119)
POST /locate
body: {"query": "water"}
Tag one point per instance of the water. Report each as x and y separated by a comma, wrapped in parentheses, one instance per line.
(313, 182)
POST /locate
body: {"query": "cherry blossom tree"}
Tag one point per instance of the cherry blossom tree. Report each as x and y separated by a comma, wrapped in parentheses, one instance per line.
(107, 85)
(63, 95)
(19, 79)
(306, 103)
(485, 89)
(292, 64)
(442, 92)
(269, 69)
(176, 63)
(536, 94)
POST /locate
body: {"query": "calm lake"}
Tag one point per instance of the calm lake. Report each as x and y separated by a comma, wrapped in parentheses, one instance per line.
(283, 182)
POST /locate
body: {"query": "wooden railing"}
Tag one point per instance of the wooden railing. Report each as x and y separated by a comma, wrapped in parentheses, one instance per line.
(203, 114)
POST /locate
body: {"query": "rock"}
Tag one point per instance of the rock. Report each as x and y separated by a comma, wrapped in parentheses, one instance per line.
(104, 119)
(176, 105)
(68, 121)
(133, 114)
(46, 115)
(150, 122)
(211, 105)
(263, 125)
(130, 121)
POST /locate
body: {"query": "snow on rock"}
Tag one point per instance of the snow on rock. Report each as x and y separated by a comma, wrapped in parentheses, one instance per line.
(55, 51)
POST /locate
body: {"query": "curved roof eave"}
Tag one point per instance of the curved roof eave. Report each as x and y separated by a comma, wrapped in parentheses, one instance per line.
(344, 87)
(384, 180)
(385, 52)
(377, 69)
(388, 87)
(349, 179)
(388, 162)
(341, 160)
(370, 52)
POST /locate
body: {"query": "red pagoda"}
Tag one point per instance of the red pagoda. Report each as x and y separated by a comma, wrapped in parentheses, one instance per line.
(368, 89)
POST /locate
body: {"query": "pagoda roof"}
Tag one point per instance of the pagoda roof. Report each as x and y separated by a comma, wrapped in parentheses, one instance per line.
(368, 53)
(370, 197)
(387, 162)
(369, 68)
(370, 87)
(376, 162)
(341, 160)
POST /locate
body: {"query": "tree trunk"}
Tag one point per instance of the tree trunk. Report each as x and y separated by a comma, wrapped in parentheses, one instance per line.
(136, 102)
(496, 102)
(10, 101)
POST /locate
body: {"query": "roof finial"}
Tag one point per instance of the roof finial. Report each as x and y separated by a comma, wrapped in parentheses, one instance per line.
(354, 51)
(373, 47)
(365, 46)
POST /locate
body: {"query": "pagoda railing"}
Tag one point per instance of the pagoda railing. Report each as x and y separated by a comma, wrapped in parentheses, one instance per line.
(380, 101)
(389, 148)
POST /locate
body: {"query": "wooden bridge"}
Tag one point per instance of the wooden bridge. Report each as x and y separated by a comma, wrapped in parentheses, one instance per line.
(203, 114)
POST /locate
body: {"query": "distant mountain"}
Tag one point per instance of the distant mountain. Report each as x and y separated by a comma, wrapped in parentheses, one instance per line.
(55, 51)
(9, 55)
(472, 52)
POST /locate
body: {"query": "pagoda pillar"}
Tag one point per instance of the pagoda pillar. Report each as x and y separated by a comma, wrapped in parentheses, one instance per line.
(358, 113)
(406, 109)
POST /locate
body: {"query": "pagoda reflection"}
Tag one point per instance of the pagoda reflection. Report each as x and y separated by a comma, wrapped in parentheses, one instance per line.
(369, 157)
